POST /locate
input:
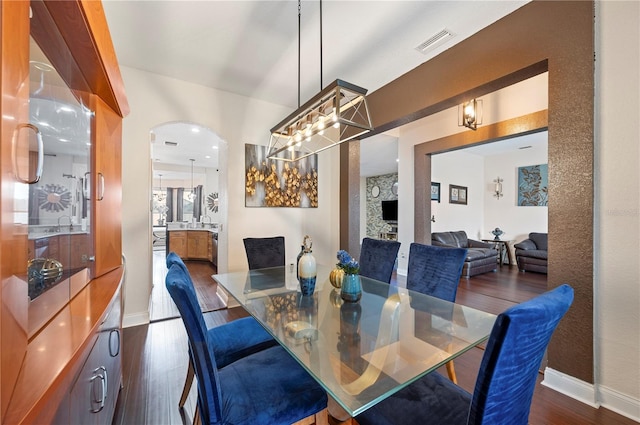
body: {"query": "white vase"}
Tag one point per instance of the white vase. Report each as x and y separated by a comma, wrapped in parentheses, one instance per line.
(307, 270)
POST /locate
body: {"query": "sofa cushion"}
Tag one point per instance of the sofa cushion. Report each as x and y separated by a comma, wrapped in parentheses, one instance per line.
(457, 239)
(525, 244)
(540, 239)
(478, 253)
(533, 253)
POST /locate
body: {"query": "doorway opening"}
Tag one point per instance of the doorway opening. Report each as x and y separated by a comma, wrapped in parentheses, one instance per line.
(189, 189)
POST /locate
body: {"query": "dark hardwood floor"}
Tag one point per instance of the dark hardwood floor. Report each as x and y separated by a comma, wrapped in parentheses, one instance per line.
(162, 307)
(155, 359)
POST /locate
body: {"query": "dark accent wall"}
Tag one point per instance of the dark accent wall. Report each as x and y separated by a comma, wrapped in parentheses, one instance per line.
(559, 36)
(350, 198)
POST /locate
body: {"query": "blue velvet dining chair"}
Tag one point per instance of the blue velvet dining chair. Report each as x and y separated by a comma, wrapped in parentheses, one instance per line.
(506, 380)
(264, 252)
(231, 341)
(378, 258)
(265, 387)
(435, 271)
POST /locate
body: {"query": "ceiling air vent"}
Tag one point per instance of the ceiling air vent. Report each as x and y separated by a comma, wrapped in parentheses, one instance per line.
(436, 40)
(168, 143)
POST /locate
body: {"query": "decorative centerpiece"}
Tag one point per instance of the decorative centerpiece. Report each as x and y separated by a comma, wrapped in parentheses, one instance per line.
(497, 233)
(351, 288)
(307, 269)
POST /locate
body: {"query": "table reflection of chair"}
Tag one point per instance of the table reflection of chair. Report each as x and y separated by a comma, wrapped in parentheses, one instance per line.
(231, 341)
(506, 380)
(435, 271)
(255, 389)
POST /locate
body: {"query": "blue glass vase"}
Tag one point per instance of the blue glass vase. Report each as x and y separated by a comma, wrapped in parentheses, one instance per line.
(351, 289)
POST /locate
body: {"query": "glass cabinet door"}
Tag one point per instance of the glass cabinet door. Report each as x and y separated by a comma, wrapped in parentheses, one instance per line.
(57, 182)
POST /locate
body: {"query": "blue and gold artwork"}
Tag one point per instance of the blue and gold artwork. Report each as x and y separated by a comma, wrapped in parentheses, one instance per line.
(533, 186)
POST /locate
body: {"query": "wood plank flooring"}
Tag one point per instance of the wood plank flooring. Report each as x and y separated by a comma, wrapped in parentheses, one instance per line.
(162, 307)
(155, 360)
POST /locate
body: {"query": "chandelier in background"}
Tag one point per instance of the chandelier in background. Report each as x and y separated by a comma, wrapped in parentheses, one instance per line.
(192, 194)
(160, 195)
(337, 114)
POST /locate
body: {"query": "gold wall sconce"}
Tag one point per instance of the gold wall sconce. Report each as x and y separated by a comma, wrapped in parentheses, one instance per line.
(470, 114)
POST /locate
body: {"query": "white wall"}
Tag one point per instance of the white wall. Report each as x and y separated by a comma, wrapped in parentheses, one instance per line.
(516, 221)
(459, 168)
(519, 99)
(617, 196)
(154, 100)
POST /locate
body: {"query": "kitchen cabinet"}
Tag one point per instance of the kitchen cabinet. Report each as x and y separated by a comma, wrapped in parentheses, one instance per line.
(178, 243)
(198, 244)
(193, 244)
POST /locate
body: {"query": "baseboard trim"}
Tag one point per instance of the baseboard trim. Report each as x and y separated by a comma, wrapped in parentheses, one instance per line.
(619, 403)
(570, 386)
(587, 393)
(130, 320)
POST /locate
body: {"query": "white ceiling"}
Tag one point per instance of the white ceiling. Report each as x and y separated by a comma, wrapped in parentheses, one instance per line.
(250, 47)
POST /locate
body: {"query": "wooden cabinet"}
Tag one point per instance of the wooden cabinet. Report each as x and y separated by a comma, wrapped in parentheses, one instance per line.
(92, 399)
(193, 244)
(38, 365)
(178, 243)
(198, 244)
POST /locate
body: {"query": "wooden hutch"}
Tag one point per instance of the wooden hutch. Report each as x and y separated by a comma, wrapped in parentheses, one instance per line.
(61, 266)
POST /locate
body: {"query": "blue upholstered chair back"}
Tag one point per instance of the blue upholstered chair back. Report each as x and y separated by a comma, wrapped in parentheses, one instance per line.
(264, 252)
(377, 258)
(511, 361)
(184, 295)
(434, 270)
(174, 258)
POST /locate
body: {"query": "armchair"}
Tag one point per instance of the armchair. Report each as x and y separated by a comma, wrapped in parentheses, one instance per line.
(481, 257)
(531, 254)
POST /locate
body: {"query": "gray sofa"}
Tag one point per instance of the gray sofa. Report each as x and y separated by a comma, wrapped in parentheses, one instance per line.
(531, 254)
(481, 257)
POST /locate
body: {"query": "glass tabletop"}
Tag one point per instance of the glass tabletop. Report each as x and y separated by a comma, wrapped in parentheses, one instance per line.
(359, 352)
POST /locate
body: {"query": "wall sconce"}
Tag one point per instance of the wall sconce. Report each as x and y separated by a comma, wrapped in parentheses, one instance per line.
(497, 190)
(470, 114)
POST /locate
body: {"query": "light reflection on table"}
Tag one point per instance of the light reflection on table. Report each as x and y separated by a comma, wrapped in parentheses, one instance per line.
(359, 352)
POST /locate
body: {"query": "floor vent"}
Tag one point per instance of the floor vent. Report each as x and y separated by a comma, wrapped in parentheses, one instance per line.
(436, 40)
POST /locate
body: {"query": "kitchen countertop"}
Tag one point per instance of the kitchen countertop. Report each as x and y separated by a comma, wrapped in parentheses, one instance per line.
(189, 228)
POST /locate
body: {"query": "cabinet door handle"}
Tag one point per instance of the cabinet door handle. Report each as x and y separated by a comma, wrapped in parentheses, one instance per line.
(100, 195)
(14, 154)
(117, 345)
(104, 387)
(86, 186)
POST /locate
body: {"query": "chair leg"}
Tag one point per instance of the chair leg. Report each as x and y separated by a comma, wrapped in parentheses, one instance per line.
(196, 416)
(452, 372)
(320, 418)
(187, 385)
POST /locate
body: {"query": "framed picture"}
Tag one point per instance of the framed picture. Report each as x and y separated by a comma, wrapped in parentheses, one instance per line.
(533, 186)
(435, 191)
(457, 194)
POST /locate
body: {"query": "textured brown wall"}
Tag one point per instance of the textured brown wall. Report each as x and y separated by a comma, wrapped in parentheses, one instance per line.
(350, 198)
(560, 33)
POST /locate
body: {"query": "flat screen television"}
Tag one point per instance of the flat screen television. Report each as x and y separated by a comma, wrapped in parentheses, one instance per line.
(390, 210)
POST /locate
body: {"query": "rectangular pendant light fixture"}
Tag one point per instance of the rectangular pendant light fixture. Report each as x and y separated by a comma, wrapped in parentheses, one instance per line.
(337, 114)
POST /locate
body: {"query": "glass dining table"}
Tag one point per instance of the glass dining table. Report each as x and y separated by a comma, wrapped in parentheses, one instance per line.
(360, 352)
